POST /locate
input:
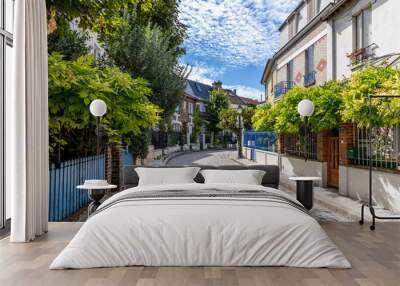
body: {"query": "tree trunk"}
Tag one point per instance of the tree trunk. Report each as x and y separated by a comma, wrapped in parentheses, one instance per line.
(212, 139)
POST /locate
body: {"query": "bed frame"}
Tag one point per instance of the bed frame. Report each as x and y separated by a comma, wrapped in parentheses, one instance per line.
(130, 178)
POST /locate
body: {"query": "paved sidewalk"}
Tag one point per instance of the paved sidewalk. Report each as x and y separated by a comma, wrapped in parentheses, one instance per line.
(345, 208)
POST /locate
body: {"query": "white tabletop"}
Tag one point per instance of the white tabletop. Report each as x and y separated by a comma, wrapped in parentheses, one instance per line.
(105, 187)
(305, 179)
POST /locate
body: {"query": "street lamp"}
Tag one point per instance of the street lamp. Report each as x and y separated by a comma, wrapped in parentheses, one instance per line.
(240, 111)
(98, 108)
(305, 109)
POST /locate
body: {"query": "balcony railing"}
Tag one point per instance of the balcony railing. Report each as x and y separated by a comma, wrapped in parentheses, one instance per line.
(361, 55)
(282, 87)
(309, 79)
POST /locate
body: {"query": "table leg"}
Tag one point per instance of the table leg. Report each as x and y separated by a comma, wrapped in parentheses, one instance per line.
(305, 193)
(95, 197)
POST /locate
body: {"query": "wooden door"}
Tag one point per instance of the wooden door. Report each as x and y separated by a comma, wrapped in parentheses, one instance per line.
(333, 162)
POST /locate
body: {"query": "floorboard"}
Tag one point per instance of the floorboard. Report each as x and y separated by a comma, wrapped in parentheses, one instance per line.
(375, 257)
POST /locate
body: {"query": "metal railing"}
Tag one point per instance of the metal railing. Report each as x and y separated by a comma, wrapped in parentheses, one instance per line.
(385, 147)
(64, 198)
(283, 87)
(294, 145)
(260, 140)
(162, 139)
(309, 79)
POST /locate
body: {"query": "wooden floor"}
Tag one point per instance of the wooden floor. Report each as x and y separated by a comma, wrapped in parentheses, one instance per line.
(375, 257)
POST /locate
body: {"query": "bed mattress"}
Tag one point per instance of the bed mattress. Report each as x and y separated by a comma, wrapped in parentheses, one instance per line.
(201, 225)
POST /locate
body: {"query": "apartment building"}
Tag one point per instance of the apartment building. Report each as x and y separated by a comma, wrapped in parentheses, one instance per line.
(362, 32)
(327, 40)
(302, 57)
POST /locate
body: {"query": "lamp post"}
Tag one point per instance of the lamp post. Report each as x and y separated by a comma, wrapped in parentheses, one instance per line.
(98, 108)
(305, 109)
(239, 118)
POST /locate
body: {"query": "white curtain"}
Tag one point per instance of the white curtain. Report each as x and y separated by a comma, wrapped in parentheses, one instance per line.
(27, 124)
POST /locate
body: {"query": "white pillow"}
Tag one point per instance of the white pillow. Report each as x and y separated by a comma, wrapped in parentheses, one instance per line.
(166, 176)
(246, 177)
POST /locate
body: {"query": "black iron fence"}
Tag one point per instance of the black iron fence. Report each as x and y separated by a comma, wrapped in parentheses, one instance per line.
(162, 139)
(385, 147)
(294, 145)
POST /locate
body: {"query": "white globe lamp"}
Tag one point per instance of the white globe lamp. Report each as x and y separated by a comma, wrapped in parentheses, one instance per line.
(305, 108)
(98, 108)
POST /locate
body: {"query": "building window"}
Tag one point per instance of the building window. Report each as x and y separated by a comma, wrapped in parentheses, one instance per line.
(7, 63)
(289, 71)
(190, 108)
(318, 6)
(310, 9)
(184, 106)
(362, 28)
(310, 59)
(309, 75)
(296, 22)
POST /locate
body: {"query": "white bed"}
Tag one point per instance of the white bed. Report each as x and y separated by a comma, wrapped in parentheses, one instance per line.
(200, 231)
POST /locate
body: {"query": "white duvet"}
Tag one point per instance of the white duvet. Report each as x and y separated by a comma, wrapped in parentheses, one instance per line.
(200, 232)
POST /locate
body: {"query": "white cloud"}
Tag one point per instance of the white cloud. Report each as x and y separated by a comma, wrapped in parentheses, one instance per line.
(208, 75)
(246, 91)
(205, 74)
(234, 32)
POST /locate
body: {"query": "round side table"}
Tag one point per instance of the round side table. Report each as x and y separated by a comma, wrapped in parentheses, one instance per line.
(96, 193)
(304, 190)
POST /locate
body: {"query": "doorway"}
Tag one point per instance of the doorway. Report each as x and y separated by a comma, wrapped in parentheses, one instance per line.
(333, 162)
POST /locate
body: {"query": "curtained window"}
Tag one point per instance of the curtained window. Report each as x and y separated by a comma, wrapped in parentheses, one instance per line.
(6, 64)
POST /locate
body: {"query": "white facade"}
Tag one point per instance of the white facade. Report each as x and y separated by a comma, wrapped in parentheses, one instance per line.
(299, 18)
(381, 24)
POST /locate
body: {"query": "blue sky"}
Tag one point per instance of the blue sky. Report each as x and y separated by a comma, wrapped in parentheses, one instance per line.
(231, 40)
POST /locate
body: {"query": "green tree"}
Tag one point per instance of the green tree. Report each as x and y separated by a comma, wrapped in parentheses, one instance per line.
(228, 120)
(197, 123)
(217, 101)
(139, 145)
(72, 87)
(372, 81)
(96, 15)
(264, 118)
(247, 115)
(146, 51)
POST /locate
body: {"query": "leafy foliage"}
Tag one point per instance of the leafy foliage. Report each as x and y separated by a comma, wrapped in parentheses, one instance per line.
(139, 145)
(74, 84)
(197, 122)
(283, 116)
(264, 118)
(370, 81)
(96, 15)
(146, 51)
(247, 114)
(71, 44)
(228, 120)
(337, 101)
(217, 101)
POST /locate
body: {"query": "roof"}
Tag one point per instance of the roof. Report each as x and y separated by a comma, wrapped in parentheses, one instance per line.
(198, 90)
(249, 101)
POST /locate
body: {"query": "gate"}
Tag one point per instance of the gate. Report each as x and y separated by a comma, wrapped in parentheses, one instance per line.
(333, 162)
